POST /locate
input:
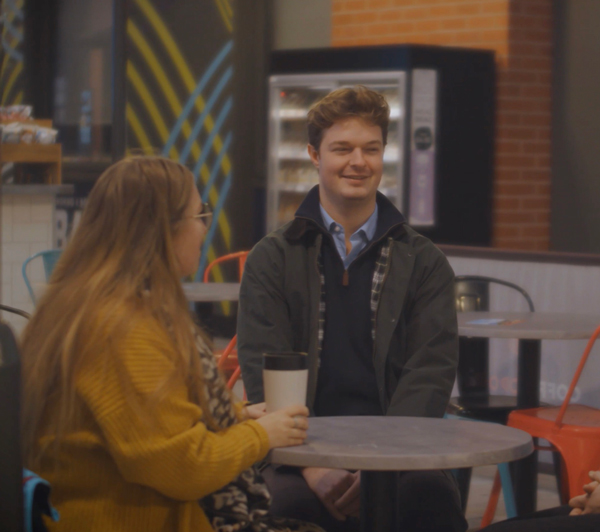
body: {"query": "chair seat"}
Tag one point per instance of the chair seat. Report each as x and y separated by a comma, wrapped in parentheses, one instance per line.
(486, 408)
(577, 440)
(577, 415)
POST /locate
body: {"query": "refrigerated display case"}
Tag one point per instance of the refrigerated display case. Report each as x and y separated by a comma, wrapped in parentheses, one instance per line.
(438, 162)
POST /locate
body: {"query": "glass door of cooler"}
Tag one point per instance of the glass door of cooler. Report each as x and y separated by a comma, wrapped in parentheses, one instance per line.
(291, 173)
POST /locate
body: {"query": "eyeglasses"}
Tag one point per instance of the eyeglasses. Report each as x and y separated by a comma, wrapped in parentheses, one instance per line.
(206, 213)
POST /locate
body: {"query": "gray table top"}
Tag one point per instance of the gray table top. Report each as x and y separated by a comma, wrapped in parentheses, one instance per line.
(528, 325)
(207, 292)
(378, 443)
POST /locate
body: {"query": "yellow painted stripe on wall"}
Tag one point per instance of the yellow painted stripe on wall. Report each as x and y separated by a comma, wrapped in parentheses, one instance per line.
(11, 80)
(136, 127)
(163, 80)
(144, 142)
(223, 11)
(144, 94)
(184, 72)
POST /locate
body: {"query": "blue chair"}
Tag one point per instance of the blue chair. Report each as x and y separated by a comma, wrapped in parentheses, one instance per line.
(50, 258)
(474, 402)
(507, 488)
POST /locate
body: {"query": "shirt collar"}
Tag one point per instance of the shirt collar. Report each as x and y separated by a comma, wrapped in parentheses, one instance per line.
(368, 228)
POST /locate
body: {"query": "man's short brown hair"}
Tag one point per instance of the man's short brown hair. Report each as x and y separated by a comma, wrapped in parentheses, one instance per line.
(358, 102)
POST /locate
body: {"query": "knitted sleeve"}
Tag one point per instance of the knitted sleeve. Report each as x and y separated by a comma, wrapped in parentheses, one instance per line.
(162, 443)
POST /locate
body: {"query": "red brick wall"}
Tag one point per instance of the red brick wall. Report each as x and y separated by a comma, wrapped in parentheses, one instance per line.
(520, 31)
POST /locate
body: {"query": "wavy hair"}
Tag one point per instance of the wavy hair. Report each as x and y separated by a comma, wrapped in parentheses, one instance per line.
(119, 264)
(348, 102)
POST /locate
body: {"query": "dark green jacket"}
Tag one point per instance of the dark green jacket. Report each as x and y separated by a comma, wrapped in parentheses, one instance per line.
(416, 344)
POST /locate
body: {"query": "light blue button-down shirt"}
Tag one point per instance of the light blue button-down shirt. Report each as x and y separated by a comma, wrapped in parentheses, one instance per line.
(359, 239)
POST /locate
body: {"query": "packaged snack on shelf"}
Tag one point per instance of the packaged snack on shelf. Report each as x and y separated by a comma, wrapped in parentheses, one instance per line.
(16, 112)
(45, 135)
(11, 133)
(28, 132)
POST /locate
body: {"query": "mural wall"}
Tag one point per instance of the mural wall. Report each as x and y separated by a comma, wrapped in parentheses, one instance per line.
(179, 97)
(12, 62)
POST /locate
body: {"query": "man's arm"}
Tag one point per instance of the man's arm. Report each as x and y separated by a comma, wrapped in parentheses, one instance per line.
(429, 372)
(263, 315)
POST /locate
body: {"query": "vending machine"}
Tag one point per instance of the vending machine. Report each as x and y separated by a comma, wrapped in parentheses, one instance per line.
(438, 161)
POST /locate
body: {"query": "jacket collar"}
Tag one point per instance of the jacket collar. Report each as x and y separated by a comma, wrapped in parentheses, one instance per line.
(308, 218)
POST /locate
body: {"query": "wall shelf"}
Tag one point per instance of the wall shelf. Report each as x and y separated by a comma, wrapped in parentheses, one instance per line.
(47, 154)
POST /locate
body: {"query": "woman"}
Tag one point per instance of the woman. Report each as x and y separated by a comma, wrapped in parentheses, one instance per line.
(124, 411)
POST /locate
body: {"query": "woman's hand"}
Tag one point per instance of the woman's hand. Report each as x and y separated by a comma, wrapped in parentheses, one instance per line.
(256, 411)
(286, 427)
(589, 502)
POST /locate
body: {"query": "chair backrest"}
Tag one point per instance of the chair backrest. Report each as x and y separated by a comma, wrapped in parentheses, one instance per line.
(471, 292)
(240, 256)
(14, 310)
(11, 467)
(575, 380)
(50, 258)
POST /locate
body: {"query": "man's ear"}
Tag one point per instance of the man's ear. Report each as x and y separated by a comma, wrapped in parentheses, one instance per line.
(313, 154)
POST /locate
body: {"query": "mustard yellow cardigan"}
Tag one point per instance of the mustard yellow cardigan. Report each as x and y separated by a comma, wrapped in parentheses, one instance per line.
(136, 465)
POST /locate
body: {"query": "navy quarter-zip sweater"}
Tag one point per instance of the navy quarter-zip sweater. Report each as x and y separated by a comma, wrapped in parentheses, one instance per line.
(346, 382)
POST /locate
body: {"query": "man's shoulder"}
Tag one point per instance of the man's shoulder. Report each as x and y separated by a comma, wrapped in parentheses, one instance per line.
(418, 244)
(286, 238)
(274, 242)
(276, 252)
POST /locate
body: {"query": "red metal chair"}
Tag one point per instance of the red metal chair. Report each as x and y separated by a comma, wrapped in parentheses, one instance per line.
(239, 255)
(228, 361)
(572, 430)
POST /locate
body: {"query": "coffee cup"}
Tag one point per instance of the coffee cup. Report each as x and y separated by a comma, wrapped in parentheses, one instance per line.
(285, 379)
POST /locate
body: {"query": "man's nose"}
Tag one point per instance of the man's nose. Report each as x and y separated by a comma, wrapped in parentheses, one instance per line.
(357, 158)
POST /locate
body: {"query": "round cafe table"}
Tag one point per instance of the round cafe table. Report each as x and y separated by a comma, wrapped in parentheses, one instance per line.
(530, 328)
(378, 446)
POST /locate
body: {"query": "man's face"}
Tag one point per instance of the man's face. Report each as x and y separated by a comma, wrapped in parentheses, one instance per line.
(349, 161)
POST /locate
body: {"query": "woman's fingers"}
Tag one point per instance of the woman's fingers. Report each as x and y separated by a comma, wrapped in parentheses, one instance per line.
(578, 502)
(595, 475)
(296, 410)
(298, 422)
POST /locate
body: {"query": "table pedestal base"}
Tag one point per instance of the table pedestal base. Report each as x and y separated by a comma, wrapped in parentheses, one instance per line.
(378, 500)
(528, 396)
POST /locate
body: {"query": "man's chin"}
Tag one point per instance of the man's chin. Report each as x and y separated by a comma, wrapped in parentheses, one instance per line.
(358, 198)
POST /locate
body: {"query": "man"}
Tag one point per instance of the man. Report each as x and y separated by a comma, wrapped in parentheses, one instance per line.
(372, 303)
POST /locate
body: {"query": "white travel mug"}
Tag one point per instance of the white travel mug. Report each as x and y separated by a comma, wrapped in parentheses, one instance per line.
(285, 379)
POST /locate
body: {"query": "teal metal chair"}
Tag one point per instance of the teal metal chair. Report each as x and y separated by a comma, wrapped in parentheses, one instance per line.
(506, 483)
(50, 258)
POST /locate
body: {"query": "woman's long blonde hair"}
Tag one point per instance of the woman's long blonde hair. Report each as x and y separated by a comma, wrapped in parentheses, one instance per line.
(120, 262)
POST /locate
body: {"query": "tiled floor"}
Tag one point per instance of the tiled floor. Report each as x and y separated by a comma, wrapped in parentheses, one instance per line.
(481, 486)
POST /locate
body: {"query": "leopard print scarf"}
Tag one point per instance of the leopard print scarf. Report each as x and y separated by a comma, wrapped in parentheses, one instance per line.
(243, 504)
